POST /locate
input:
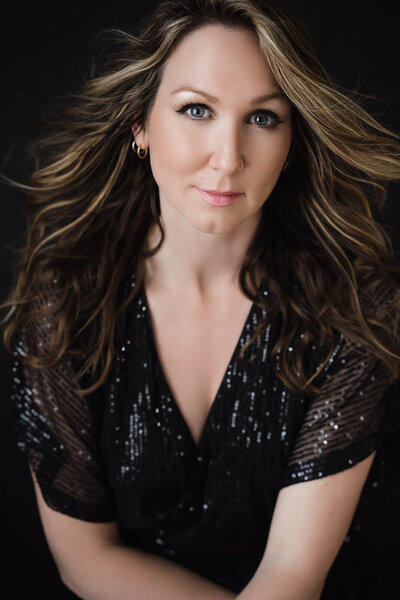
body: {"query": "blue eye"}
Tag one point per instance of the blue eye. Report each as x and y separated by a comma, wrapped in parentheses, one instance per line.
(268, 120)
(193, 107)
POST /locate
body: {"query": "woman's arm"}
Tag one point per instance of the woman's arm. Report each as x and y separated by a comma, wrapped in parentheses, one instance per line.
(95, 565)
(287, 584)
(309, 524)
(308, 527)
(124, 573)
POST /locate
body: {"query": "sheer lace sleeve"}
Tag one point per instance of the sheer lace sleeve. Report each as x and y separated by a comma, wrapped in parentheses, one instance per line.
(345, 424)
(59, 431)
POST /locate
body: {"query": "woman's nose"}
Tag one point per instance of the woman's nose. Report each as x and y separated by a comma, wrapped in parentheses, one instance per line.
(227, 151)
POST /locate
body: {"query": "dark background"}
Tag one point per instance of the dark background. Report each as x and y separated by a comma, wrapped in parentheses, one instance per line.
(44, 52)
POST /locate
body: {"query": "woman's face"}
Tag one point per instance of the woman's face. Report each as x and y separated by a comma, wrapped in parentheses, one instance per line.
(226, 138)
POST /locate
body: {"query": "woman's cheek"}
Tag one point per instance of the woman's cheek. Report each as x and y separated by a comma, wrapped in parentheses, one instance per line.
(166, 164)
(185, 154)
(276, 152)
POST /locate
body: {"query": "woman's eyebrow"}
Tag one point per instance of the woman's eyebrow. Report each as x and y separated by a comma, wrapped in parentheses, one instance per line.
(263, 98)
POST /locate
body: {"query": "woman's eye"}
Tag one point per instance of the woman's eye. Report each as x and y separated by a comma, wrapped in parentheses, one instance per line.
(265, 119)
(193, 111)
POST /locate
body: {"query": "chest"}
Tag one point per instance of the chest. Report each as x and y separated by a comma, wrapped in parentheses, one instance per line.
(194, 346)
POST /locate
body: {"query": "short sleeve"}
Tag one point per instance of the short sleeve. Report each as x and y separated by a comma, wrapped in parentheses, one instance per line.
(345, 423)
(58, 430)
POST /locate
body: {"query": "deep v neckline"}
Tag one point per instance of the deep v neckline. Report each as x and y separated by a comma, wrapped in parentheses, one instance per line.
(197, 445)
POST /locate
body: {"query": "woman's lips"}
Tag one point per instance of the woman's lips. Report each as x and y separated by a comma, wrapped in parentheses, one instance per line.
(217, 199)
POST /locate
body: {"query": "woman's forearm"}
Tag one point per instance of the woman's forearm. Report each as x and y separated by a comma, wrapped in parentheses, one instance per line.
(120, 572)
(281, 584)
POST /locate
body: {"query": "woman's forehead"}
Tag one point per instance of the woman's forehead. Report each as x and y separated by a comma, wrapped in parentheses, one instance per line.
(220, 58)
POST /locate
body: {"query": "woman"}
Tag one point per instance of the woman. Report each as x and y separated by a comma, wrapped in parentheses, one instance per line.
(206, 326)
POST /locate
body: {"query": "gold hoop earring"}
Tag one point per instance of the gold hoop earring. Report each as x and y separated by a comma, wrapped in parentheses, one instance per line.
(141, 152)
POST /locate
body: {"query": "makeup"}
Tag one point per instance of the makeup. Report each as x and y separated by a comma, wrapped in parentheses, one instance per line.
(218, 198)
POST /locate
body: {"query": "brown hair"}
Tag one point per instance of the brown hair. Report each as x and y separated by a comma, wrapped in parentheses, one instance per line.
(91, 202)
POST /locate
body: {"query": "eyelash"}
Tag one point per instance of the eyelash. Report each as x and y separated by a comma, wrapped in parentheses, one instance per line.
(264, 112)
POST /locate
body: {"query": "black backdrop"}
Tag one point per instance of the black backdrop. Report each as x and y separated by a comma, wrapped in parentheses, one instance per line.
(45, 51)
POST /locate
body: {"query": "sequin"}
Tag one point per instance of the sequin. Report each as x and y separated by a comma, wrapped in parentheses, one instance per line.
(126, 452)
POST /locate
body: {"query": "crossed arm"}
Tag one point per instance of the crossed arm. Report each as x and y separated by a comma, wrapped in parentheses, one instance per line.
(309, 524)
(308, 527)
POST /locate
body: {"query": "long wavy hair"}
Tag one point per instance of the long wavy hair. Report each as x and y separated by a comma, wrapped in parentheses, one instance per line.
(90, 204)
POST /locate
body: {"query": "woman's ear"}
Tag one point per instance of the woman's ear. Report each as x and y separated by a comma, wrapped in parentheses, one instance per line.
(139, 135)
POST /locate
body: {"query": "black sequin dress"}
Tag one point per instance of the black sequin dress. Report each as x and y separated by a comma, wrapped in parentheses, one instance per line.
(125, 453)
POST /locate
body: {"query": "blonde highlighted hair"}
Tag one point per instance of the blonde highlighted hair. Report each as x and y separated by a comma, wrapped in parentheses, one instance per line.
(90, 204)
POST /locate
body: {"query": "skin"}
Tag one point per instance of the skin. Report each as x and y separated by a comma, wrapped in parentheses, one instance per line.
(226, 146)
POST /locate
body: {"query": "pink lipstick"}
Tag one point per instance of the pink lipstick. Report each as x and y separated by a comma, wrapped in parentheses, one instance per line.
(217, 198)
